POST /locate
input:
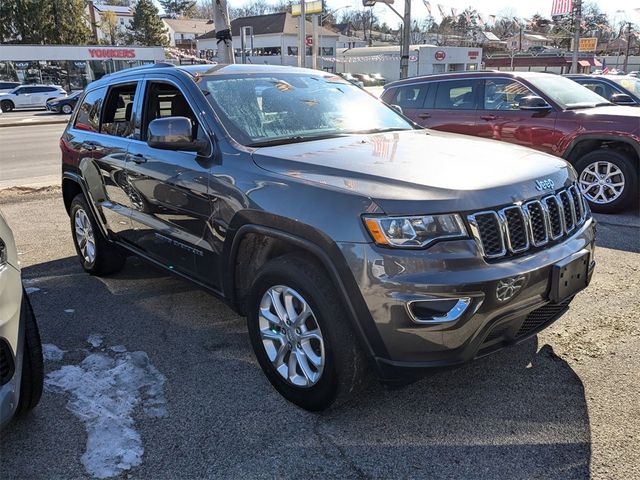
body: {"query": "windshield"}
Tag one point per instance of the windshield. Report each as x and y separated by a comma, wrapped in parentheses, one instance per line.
(566, 93)
(271, 108)
(630, 83)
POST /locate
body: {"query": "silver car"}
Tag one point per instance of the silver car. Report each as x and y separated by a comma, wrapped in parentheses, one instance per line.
(21, 365)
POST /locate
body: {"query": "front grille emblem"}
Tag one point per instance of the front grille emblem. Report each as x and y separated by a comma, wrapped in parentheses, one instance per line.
(546, 184)
(509, 287)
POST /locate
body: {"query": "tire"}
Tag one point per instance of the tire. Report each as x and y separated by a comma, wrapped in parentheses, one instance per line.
(6, 105)
(603, 198)
(344, 369)
(66, 109)
(32, 364)
(105, 258)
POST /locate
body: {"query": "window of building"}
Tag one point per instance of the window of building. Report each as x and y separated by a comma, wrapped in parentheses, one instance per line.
(88, 117)
(504, 94)
(292, 51)
(458, 95)
(326, 51)
(118, 109)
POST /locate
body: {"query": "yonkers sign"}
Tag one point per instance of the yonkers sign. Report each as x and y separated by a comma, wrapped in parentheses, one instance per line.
(112, 53)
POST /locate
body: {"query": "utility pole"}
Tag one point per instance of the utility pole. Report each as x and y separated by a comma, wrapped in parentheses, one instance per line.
(406, 40)
(302, 36)
(577, 20)
(223, 31)
(626, 58)
(314, 39)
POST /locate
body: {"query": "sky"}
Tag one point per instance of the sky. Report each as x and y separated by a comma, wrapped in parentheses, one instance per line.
(521, 8)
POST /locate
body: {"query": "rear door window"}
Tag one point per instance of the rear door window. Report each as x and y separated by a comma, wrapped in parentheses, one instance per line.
(88, 117)
(458, 95)
(118, 110)
(409, 96)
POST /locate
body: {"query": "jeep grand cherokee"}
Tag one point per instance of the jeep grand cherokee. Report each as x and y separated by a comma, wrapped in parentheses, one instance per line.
(352, 241)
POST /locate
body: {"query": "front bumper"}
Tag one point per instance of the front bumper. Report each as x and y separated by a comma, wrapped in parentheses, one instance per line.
(390, 279)
(53, 108)
(11, 334)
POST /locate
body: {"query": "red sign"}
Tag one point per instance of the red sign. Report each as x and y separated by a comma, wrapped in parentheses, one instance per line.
(440, 55)
(309, 41)
(112, 53)
(473, 54)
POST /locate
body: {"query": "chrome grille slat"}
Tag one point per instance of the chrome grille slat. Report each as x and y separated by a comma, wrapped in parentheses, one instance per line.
(517, 228)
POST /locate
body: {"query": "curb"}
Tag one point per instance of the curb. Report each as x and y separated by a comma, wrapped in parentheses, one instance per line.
(31, 123)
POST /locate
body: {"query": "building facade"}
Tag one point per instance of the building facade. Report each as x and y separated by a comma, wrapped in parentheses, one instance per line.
(72, 67)
(183, 32)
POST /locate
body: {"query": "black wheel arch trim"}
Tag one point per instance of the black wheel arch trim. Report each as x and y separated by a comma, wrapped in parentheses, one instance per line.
(74, 177)
(633, 143)
(329, 255)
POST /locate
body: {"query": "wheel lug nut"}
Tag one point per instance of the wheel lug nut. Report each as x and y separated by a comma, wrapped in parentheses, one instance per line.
(289, 345)
(298, 345)
(288, 322)
(298, 331)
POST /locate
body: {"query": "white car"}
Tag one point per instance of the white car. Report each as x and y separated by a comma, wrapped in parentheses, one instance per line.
(30, 96)
(8, 86)
(21, 363)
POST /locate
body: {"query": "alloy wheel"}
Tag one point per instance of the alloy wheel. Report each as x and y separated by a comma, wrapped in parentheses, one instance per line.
(291, 336)
(66, 109)
(602, 182)
(84, 236)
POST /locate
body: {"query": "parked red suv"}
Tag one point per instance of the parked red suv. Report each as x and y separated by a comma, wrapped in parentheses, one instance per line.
(539, 110)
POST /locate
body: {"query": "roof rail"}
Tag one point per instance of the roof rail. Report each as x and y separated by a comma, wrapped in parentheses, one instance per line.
(141, 67)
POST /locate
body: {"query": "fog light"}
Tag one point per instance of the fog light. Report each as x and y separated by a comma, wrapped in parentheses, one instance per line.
(440, 310)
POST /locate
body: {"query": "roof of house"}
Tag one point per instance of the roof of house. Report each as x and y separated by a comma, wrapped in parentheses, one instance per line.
(490, 36)
(117, 9)
(198, 26)
(274, 23)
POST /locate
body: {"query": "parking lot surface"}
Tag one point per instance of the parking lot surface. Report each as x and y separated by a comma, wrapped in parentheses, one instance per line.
(563, 405)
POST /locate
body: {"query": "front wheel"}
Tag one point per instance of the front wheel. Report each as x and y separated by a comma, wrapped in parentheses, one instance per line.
(97, 255)
(608, 180)
(301, 334)
(6, 106)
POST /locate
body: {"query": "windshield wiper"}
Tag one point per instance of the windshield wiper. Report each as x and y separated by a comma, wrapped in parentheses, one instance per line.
(379, 130)
(292, 139)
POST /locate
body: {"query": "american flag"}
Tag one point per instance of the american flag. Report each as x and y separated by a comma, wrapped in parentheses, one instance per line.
(605, 69)
(561, 7)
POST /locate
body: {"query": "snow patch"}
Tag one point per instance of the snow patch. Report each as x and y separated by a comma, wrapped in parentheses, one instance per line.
(118, 348)
(52, 353)
(106, 389)
(69, 310)
(95, 340)
(31, 290)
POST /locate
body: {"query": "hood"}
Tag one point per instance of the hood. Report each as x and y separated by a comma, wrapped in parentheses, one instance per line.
(611, 110)
(403, 170)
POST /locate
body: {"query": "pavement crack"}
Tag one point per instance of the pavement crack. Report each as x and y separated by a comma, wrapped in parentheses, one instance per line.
(326, 442)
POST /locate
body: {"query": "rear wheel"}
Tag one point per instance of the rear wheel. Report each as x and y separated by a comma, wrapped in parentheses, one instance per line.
(97, 255)
(301, 334)
(6, 105)
(67, 109)
(608, 180)
(32, 362)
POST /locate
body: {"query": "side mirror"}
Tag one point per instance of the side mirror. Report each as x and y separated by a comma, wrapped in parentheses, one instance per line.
(173, 133)
(397, 108)
(622, 99)
(533, 102)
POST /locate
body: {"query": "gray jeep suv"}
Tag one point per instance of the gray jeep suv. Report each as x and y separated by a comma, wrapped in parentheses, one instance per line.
(353, 241)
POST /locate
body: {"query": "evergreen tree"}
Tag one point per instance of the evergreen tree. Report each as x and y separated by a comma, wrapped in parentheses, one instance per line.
(183, 8)
(69, 24)
(146, 28)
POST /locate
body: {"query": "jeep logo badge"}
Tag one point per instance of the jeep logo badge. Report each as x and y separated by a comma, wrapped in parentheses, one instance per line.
(546, 184)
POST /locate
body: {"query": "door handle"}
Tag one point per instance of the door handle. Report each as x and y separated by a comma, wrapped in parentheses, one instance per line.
(138, 158)
(488, 117)
(89, 145)
(424, 115)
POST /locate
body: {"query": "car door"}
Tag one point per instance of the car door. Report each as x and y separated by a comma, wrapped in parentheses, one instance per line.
(100, 137)
(451, 106)
(171, 220)
(22, 97)
(501, 118)
(39, 96)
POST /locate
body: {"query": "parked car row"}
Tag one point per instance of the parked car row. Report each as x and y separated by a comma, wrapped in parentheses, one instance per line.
(546, 112)
(29, 96)
(364, 79)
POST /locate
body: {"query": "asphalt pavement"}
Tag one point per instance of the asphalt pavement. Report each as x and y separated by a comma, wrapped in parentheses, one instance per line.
(561, 406)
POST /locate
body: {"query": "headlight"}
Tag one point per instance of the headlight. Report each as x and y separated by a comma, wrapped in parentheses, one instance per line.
(414, 232)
